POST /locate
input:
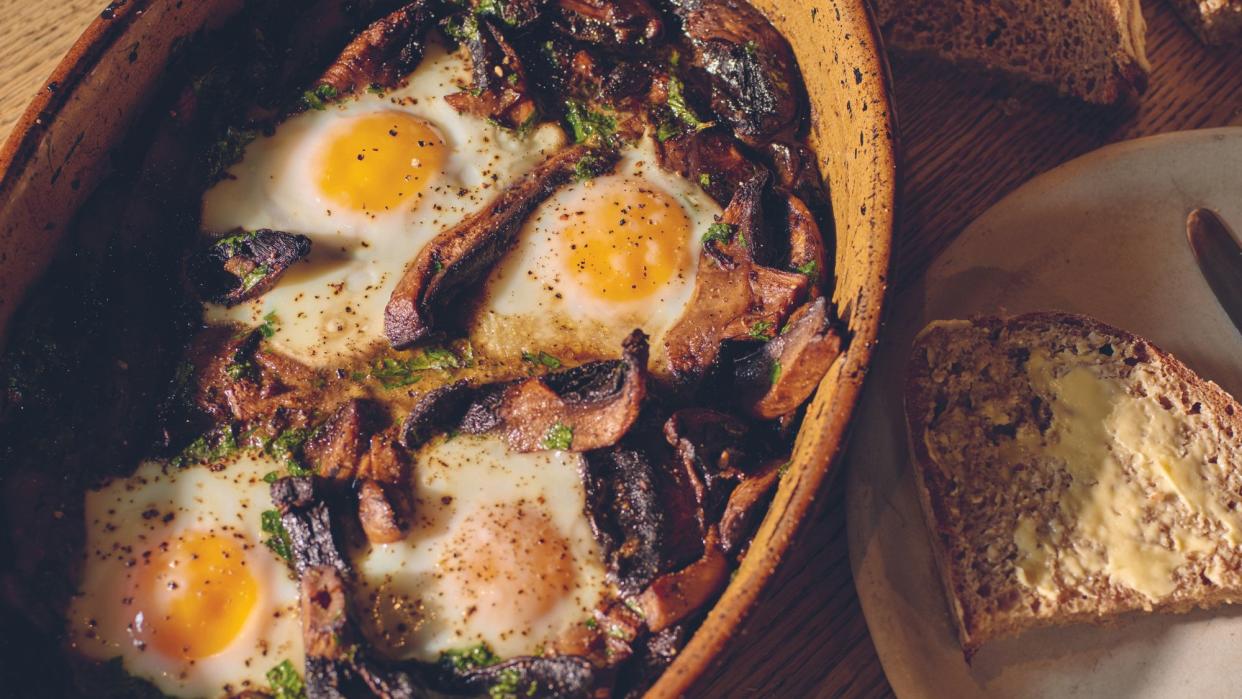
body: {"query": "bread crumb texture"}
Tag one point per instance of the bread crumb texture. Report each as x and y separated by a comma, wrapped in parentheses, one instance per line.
(1070, 471)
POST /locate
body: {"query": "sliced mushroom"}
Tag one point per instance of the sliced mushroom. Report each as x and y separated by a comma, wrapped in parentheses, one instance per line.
(797, 171)
(607, 638)
(711, 446)
(517, 14)
(436, 411)
(643, 509)
(241, 380)
(380, 519)
(587, 407)
(619, 25)
(338, 445)
(710, 157)
(243, 266)
(755, 84)
(654, 654)
(775, 379)
(674, 596)
(807, 253)
(735, 295)
(381, 55)
(547, 677)
(499, 90)
(746, 505)
(457, 258)
(338, 662)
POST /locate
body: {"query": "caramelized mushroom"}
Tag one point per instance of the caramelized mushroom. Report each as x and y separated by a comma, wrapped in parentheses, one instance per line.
(240, 380)
(735, 296)
(776, 379)
(499, 89)
(436, 411)
(807, 253)
(754, 79)
(746, 503)
(546, 677)
(517, 14)
(338, 445)
(380, 56)
(458, 257)
(379, 518)
(243, 266)
(674, 596)
(710, 157)
(710, 445)
(619, 25)
(306, 519)
(587, 407)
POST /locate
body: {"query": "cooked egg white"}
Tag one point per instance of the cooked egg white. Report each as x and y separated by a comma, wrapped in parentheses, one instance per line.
(370, 180)
(499, 552)
(178, 583)
(597, 260)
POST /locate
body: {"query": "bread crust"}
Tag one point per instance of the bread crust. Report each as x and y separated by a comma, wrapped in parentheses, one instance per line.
(975, 627)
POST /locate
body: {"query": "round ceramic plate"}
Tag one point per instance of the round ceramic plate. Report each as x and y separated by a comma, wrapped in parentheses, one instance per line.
(1102, 235)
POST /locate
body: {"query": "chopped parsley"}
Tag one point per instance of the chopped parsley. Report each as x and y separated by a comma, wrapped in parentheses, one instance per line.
(761, 330)
(469, 658)
(319, 97)
(214, 445)
(810, 269)
(277, 538)
(680, 109)
(285, 682)
(666, 130)
(462, 28)
(591, 623)
(227, 150)
(254, 277)
(587, 125)
(271, 323)
(271, 477)
(586, 168)
(705, 180)
(560, 436)
(542, 358)
(774, 373)
(396, 372)
(288, 446)
(241, 369)
(780, 472)
(720, 232)
(509, 686)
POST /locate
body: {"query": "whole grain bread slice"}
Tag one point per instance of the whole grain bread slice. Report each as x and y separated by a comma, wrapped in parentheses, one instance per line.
(1213, 21)
(1071, 472)
(1090, 49)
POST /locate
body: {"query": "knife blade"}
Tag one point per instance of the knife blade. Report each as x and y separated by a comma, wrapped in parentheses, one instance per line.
(1220, 259)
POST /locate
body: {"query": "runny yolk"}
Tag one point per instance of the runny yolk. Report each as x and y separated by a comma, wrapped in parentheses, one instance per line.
(622, 240)
(507, 566)
(192, 598)
(379, 162)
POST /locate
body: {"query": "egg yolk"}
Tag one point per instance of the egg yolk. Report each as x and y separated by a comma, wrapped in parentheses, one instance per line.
(622, 240)
(379, 162)
(507, 565)
(192, 597)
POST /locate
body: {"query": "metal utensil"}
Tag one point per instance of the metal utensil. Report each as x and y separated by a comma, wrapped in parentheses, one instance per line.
(1220, 259)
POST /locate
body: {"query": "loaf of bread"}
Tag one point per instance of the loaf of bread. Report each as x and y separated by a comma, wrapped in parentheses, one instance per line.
(1214, 21)
(1090, 49)
(1071, 472)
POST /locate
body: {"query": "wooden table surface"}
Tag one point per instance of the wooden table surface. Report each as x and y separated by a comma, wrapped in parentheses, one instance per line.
(967, 141)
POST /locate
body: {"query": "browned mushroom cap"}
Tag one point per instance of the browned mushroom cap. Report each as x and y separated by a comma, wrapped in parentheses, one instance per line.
(710, 157)
(612, 24)
(712, 447)
(307, 520)
(775, 379)
(807, 252)
(587, 407)
(755, 84)
(734, 295)
(381, 521)
(746, 503)
(797, 171)
(458, 257)
(381, 55)
(240, 379)
(499, 89)
(674, 596)
(243, 266)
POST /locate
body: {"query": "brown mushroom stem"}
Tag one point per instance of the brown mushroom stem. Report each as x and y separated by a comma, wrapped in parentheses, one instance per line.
(674, 596)
(777, 378)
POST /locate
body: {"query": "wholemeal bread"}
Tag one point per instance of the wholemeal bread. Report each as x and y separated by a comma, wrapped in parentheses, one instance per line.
(1091, 49)
(1071, 472)
(1214, 21)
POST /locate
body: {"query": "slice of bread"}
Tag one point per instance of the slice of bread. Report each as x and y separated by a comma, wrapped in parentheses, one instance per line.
(1214, 21)
(1070, 472)
(1090, 49)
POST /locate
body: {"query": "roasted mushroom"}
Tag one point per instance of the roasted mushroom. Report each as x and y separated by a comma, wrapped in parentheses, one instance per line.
(619, 25)
(735, 294)
(808, 254)
(458, 257)
(674, 596)
(239, 379)
(755, 84)
(380, 56)
(711, 446)
(436, 411)
(547, 677)
(499, 91)
(243, 266)
(746, 505)
(306, 519)
(775, 379)
(710, 157)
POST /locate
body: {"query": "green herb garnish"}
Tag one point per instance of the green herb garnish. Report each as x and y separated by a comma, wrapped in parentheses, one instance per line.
(774, 373)
(543, 358)
(277, 538)
(395, 372)
(227, 150)
(719, 232)
(761, 330)
(705, 180)
(215, 445)
(271, 323)
(509, 686)
(285, 682)
(560, 436)
(587, 124)
(319, 97)
(586, 168)
(470, 658)
(810, 269)
(253, 277)
(680, 109)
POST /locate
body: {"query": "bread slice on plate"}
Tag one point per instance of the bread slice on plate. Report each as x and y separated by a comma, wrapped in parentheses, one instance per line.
(1214, 21)
(1091, 49)
(1071, 472)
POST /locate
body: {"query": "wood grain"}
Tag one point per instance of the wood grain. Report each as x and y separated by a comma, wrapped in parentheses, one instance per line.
(968, 140)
